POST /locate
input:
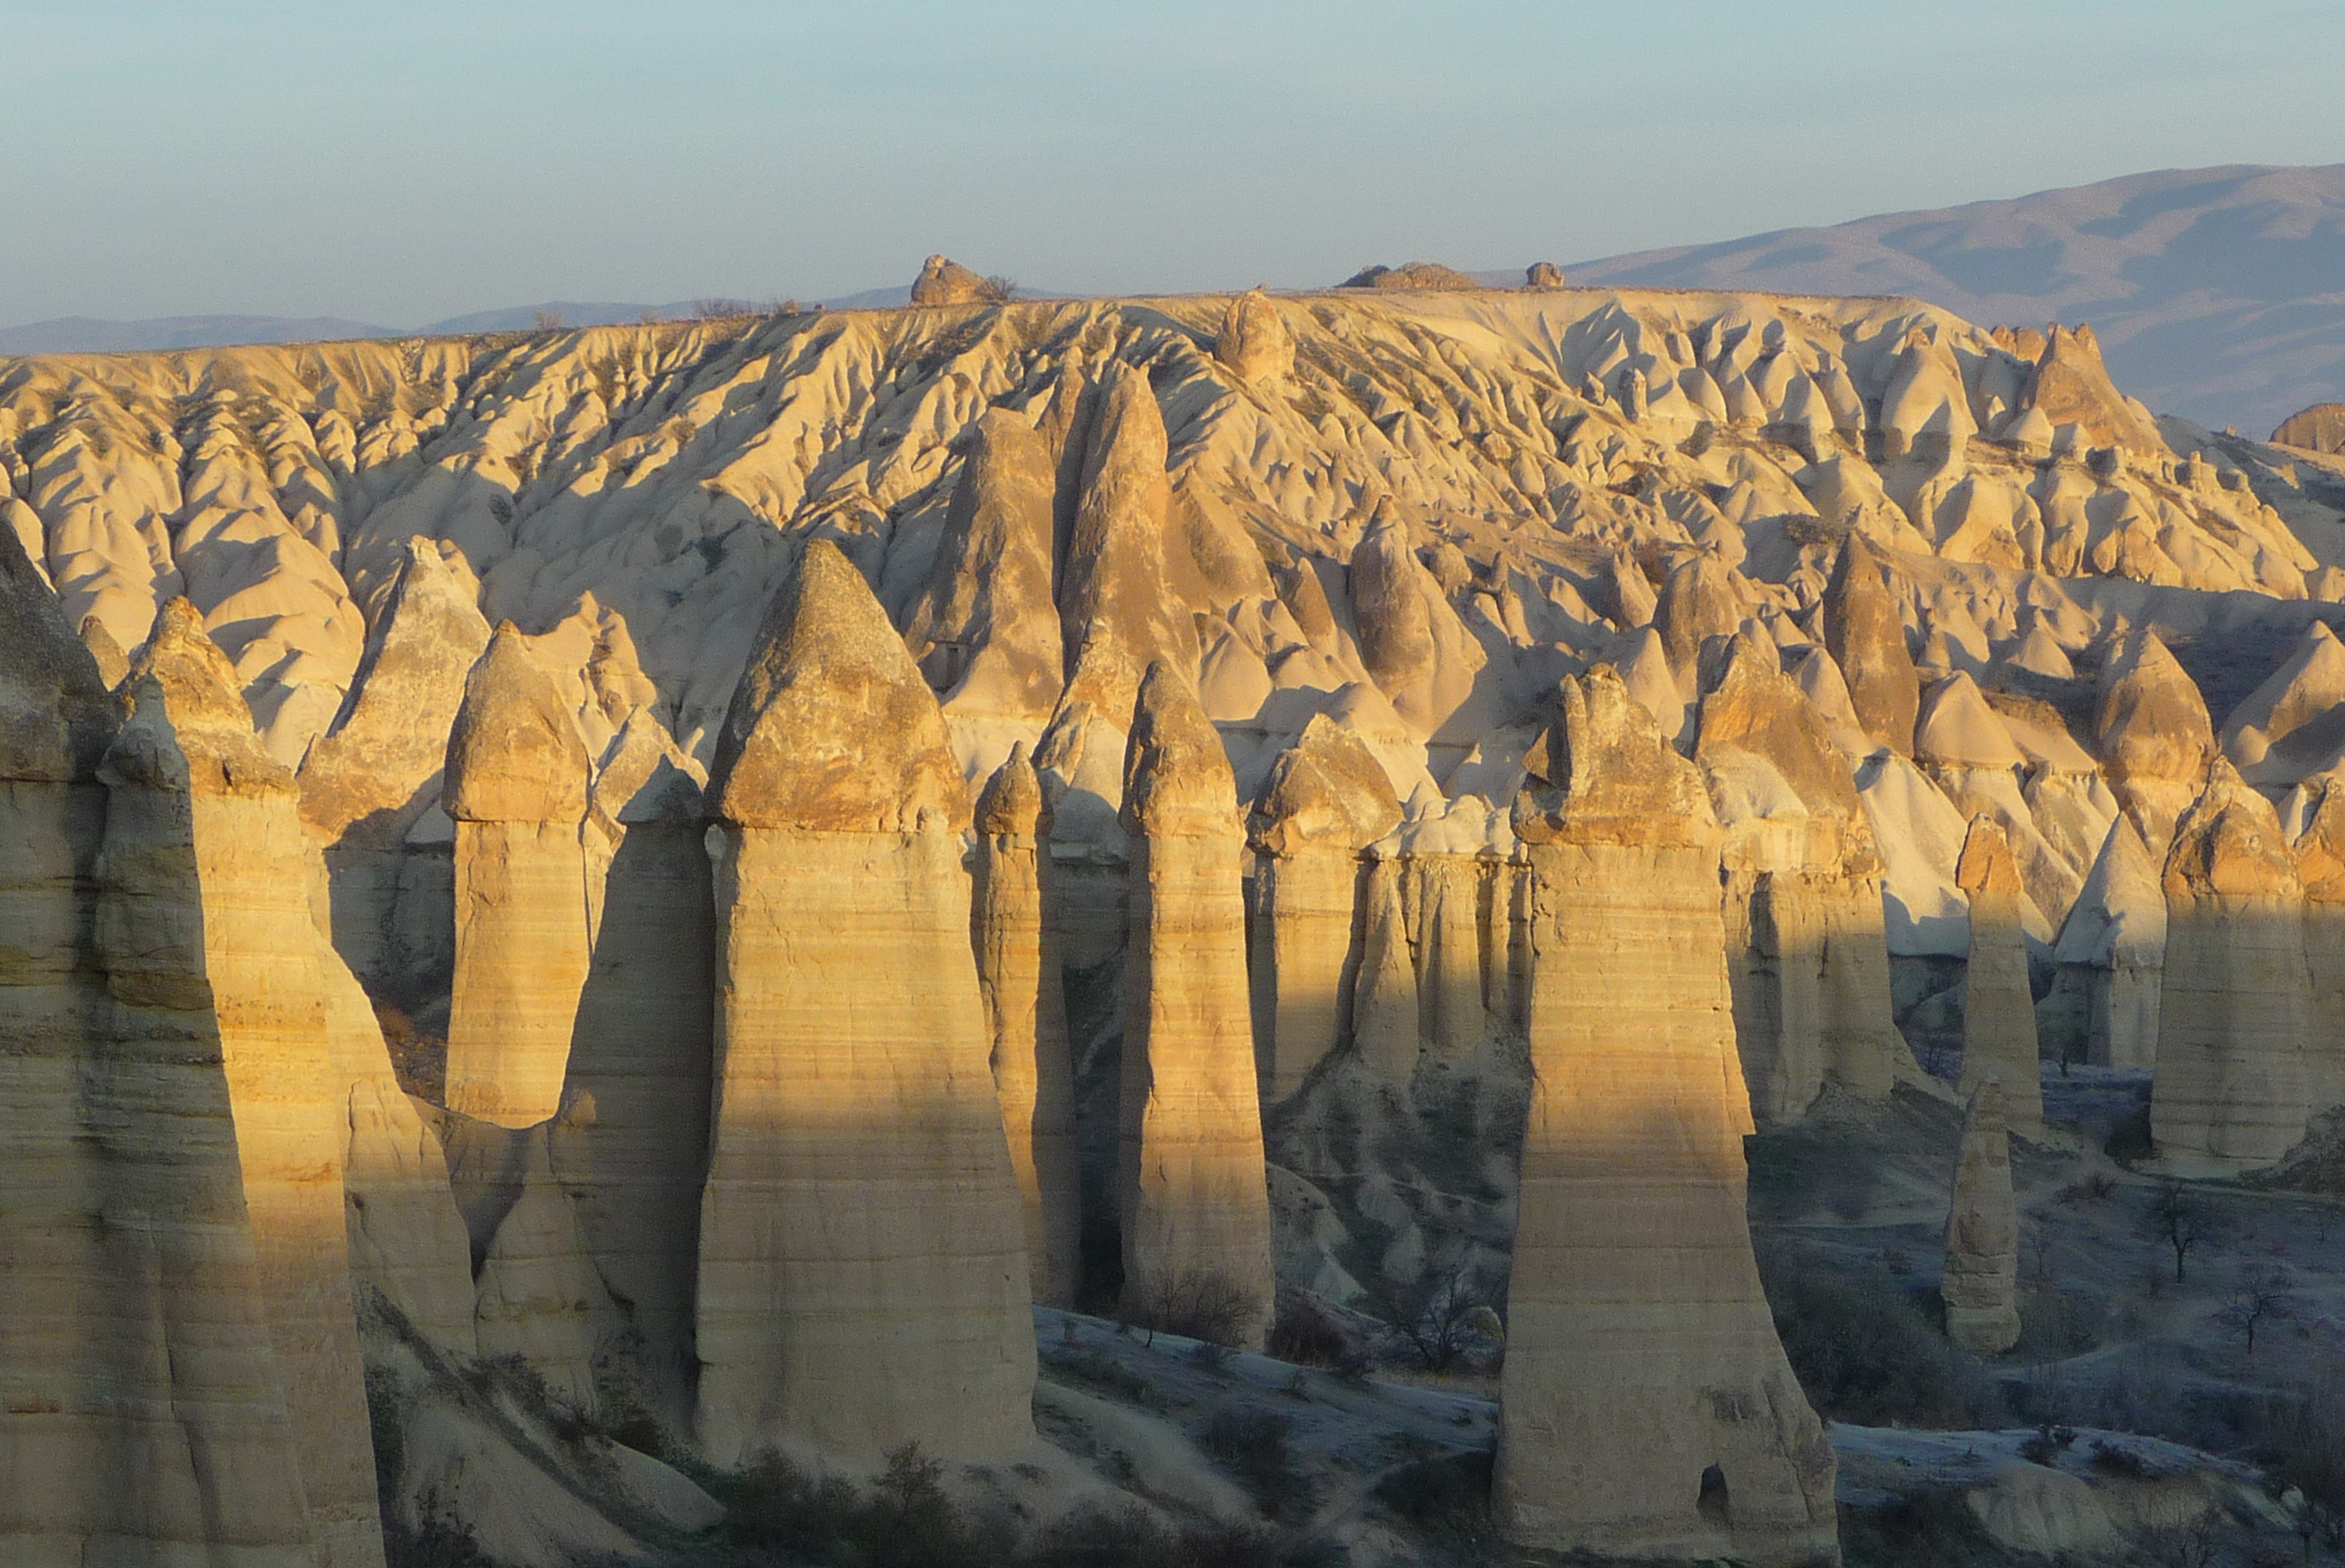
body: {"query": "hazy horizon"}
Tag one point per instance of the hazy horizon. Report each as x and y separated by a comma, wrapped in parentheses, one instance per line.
(401, 168)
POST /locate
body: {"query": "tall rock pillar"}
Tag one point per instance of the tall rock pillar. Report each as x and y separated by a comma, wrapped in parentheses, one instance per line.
(1998, 1009)
(207, 933)
(1327, 799)
(1647, 1409)
(2235, 997)
(1025, 994)
(516, 785)
(863, 1275)
(1193, 1188)
(1981, 1282)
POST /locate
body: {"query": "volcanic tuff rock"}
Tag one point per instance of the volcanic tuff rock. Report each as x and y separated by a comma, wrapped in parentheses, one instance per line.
(1867, 641)
(1025, 996)
(2289, 728)
(516, 785)
(1806, 955)
(947, 282)
(2316, 811)
(1192, 1192)
(1997, 1010)
(1253, 342)
(863, 1273)
(1327, 798)
(1411, 275)
(2321, 428)
(206, 930)
(1542, 275)
(1627, 944)
(1090, 487)
(2234, 995)
(1980, 1281)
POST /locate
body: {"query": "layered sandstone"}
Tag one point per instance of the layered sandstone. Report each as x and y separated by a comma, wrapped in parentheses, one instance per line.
(1025, 998)
(515, 784)
(1192, 1192)
(2235, 994)
(863, 1276)
(1327, 799)
(632, 1142)
(208, 936)
(1808, 961)
(2316, 811)
(1999, 1010)
(1635, 1134)
(1980, 1280)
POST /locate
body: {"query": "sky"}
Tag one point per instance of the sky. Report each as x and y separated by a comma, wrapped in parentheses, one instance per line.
(397, 163)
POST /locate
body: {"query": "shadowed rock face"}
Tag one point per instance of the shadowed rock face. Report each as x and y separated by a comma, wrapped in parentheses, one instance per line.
(863, 1272)
(1327, 799)
(2070, 385)
(1807, 958)
(1867, 640)
(2235, 994)
(1981, 1282)
(1025, 994)
(1192, 1191)
(515, 784)
(1999, 1011)
(1627, 948)
(2321, 869)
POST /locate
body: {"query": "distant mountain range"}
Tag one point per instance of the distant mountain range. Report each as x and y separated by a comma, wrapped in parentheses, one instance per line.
(2219, 294)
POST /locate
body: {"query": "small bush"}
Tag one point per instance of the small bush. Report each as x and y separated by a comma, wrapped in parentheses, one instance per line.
(1103, 1372)
(1306, 1333)
(1196, 1303)
(1252, 1446)
(2109, 1459)
(1133, 1537)
(1447, 1498)
(1869, 1354)
(906, 1521)
(1932, 1529)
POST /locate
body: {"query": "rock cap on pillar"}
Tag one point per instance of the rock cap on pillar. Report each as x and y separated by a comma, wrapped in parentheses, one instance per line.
(1177, 780)
(2229, 844)
(1011, 802)
(211, 734)
(1604, 774)
(831, 728)
(1328, 789)
(514, 753)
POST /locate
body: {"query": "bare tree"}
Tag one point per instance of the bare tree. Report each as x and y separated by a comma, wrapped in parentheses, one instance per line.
(1443, 1319)
(1001, 290)
(2176, 1222)
(1197, 1303)
(2266, 1296)
(542, 320)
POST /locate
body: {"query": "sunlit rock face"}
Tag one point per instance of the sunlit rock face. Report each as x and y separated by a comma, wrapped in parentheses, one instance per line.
(863, 1273)
(1025, 994)
(1191, 1192)
(2236, 996)
(1635, 1135)
(205, 929)
(1999, 1012)
(516, 787)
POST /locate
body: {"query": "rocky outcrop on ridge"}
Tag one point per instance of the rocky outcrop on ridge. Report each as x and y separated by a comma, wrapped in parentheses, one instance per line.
(1411, 275)
(943, 281)
(2321, 428)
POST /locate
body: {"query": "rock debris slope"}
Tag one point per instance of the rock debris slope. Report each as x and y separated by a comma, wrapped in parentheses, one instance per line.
(1278, 595)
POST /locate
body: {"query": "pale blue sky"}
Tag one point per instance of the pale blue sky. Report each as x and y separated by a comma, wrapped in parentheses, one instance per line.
(397, 163)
